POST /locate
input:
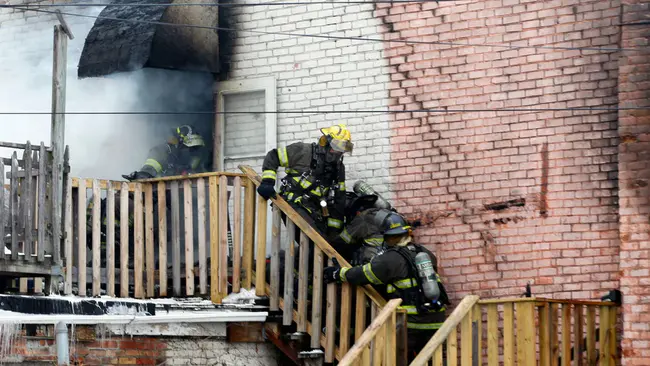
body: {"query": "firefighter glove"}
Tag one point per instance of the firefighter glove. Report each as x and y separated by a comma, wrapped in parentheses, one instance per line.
(137, 175)
(332, 274)
(267, 189)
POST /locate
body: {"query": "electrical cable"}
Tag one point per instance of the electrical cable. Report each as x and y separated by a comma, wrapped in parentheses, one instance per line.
(283, 3)
(323, 36)
(370, 111)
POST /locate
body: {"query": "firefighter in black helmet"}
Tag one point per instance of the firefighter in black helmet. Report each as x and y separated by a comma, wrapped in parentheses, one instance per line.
(315, 180)
(183, 153)
(395, 274)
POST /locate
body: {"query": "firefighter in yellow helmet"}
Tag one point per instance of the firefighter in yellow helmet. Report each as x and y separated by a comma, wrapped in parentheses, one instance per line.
(183, 153)
(315, 180)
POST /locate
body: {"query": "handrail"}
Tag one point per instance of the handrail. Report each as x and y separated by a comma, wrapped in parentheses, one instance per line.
(370, 333)
(447, 327)
(311, 233)
(544, 299)
(191, 176)
(118, 183)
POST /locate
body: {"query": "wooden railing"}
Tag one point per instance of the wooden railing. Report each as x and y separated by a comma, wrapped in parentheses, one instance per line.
(163, 215)
(26, 216)
(381, 336)
(367, 301)
(526, 331)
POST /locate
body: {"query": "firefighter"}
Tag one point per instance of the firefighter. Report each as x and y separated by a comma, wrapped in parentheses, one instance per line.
(315, 180)
(183, 153)
(361, 238)
(395, 274)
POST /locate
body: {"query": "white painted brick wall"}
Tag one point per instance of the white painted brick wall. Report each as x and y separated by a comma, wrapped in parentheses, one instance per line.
(325, 74)
(219, 352)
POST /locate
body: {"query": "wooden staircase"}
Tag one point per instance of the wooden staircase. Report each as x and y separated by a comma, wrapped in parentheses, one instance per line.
(524, 331)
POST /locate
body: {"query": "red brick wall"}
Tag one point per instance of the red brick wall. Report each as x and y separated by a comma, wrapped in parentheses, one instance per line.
(89, 347)
(89, 350)
(634, 175)
(447, 166)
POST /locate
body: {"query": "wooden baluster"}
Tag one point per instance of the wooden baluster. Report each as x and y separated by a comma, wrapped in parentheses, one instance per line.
(303, 266)
(526, 348)
(554, 339)
(317, 298)
(176, 238)
(81, 226)
(28, 245)
(69, 235)
(591, 336)
(605, 354)
(96, 237)
(124, 239)
(289, 255)
(508, 335)
(577, 335)
(249, 233)
(492, 335)
(437, 356)
(275, 260)
(43, 203)
(379, 345)
(149, 238)
(466, 340)
(162, 237)
(612, 334)
(223, 236)
(260, 265)
(373, 345)
(346, 305)
(477, 335)
(13, 206)
(236, 233)
(360, 314)
(452, 348)
(330, 324)
(215, 295)
(390, 341)
(110, 238)
(3, 212)
(188, 213)
(544, 335)
(566, 334)
(203, 250)
(138, 250)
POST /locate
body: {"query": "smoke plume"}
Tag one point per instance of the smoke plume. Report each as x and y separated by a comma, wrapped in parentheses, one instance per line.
(101, 146)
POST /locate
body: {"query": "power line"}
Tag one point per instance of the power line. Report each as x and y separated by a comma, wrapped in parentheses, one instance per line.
(323, 36)
(289, 3)
(443, 110)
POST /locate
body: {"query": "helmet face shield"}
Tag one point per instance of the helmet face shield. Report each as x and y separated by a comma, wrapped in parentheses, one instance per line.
(341, 146)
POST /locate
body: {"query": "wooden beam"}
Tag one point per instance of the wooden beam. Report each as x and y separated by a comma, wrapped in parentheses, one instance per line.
(59, 68)
(188, 214)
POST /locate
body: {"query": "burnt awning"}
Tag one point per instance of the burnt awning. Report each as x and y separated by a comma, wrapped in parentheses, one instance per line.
(118, 46)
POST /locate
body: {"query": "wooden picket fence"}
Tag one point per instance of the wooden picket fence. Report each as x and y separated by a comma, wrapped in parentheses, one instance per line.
(162, 216)
(26, 222)
(525, 332)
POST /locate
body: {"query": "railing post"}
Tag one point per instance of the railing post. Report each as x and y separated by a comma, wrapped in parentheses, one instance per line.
(260, 265)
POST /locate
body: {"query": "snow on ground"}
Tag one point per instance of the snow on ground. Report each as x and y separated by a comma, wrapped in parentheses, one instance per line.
(243, 297)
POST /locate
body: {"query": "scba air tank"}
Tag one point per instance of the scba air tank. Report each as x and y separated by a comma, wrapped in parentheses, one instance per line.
(427, 276)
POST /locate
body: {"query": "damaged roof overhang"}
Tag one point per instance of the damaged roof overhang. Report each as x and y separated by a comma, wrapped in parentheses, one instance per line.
(119, 46)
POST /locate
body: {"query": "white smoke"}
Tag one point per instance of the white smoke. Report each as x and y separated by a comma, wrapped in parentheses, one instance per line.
(101, 146)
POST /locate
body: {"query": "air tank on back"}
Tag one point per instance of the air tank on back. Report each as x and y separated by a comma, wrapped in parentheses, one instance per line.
(363, 188)
(427, 276)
